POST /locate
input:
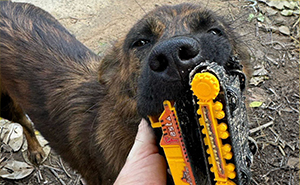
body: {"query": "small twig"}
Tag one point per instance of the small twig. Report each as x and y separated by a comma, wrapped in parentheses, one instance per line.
(273, 131)
(296, 23)
(254, 181)
(287, 100)
(283, 60)
(275, 169)
(271, 60)
(63, 167)
(50, 159)
(283, 47)
(291, 147)
(52, 168)
(230, 13)
(282, 142)
(39, 176)
(291, 181)
(75, 18)
(274, 108)
(257, 30)
(77, 180)
(270, 117)
(296, 95)
(260, 136)
(294, 109)
(273, 143)
(275, 42)
(270, 89)
(140, 6)
(261, 127)
(1, 133)
(253, 5)
(56, 175)
(296, 40)
(281, 162)
(281, 150)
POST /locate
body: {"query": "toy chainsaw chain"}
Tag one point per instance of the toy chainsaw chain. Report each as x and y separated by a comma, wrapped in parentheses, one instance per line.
(205, 133)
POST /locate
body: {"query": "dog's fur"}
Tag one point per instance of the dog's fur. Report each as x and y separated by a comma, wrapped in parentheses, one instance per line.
(87, 107)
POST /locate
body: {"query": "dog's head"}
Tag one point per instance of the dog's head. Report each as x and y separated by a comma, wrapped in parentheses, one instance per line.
(153, 62)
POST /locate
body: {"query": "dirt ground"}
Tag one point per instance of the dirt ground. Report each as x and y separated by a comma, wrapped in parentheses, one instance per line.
(274, 86)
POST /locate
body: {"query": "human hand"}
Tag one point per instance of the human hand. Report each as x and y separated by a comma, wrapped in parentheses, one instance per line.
(144, 165)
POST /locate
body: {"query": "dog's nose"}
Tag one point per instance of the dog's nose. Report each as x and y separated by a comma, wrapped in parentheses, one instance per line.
(174, 57)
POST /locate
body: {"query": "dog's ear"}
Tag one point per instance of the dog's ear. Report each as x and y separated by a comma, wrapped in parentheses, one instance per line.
(240, 50)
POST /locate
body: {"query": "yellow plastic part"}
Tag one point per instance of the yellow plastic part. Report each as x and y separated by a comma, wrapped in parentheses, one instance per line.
(206, 87)
(174, 146)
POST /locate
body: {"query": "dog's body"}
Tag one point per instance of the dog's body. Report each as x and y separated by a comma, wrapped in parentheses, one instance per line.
(88, 108)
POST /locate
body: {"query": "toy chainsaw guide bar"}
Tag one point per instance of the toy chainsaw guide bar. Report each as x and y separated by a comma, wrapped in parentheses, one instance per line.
(205, 133)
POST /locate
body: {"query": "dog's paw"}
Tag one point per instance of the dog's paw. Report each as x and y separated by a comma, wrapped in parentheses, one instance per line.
(36, 156)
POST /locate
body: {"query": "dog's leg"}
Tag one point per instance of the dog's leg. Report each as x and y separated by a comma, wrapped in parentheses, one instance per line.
(35, 150)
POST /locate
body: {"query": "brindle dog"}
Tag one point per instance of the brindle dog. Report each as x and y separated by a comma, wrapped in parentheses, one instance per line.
(87, 107)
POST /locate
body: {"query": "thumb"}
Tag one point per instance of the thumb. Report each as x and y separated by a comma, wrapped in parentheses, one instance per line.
(144, 164)
(145, 143)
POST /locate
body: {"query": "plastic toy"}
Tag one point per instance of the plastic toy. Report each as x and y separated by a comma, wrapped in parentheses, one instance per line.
(205, 132)
(174, 146)
(206, 87)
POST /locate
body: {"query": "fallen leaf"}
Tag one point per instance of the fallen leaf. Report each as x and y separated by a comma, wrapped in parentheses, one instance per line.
(255, 104)
(287, 109)
(15, 170)
(260, 72)
(277, 4)
(257, 80)
(293, 162)
(257, 94)
(257, 67)
(262, 1)
(291, 5)
(251, 17)
(267, 27)
(260, 17)
(11, 134)
(287, 12)
(271, 11)
(284, 30)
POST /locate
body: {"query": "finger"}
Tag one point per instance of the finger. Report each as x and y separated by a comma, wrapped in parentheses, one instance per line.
(145, 143)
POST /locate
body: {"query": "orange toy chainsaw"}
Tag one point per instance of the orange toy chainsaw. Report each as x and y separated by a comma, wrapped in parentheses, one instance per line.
(205, 133)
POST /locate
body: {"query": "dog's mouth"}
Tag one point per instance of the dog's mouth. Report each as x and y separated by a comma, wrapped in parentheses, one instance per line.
(155, 118)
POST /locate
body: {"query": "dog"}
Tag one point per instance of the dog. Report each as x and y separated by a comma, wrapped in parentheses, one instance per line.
(89, 107)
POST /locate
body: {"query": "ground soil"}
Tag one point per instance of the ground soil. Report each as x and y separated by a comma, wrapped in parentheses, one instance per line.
(99, 23)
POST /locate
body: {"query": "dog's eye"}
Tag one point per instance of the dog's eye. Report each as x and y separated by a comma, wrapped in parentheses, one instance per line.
(215, 31)
(140, 43)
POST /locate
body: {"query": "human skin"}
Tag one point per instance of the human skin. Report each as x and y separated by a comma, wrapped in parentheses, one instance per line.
(144, 165)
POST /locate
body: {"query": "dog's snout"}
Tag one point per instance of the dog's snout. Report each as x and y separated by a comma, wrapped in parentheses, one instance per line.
(187, 52)
(174, 56)
(159, 63)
